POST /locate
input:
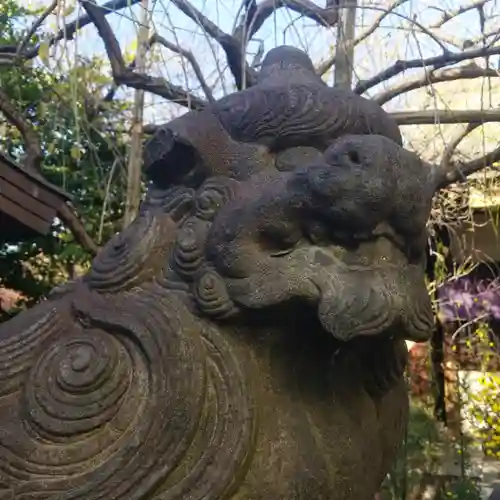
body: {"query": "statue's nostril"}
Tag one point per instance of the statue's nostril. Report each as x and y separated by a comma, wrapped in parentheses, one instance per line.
(354, 157)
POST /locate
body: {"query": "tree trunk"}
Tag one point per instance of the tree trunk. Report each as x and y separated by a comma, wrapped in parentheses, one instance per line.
(438, 341)
(135, 154)
(346, 28)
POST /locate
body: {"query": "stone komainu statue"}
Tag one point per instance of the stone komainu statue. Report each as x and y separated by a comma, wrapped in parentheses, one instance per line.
(243, 337)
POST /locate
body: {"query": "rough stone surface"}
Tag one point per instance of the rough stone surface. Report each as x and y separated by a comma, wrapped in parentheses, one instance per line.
(243, 337)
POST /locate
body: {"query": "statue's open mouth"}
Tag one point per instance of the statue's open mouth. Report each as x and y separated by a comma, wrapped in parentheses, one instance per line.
(368, 290)
(372, 291)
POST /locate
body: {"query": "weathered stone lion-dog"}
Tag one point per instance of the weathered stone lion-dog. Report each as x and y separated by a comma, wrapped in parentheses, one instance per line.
(243, 338)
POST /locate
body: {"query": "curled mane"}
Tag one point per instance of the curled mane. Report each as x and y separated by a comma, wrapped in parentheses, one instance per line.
(142, 395)
(165, 245)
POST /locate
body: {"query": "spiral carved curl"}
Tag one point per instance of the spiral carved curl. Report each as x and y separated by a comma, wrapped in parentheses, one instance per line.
(176, 201)
(77, 385)
(211, 295)
(187, 270)
(213, 195)
(112, 408)
(189, 250)
(134, 255)
(18, 352)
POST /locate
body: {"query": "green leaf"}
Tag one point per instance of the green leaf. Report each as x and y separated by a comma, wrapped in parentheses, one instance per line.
(43, 52)
(133, 46)
(75, 153)
(69, 10)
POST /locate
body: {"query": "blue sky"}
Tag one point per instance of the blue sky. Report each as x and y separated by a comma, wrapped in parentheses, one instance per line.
(387, 45)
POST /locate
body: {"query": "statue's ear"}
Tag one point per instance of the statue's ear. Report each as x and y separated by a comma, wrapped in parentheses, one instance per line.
(171, 160)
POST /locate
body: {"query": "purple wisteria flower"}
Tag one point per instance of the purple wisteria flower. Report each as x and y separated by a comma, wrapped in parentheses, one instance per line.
(468, 298)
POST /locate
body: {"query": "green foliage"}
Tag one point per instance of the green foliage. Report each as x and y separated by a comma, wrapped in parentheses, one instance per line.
(420, 452)
(485, 402)
(84, 141)
(421, 458)
(464, 489)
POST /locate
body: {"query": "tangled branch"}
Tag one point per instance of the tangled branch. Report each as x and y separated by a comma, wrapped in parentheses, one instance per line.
(31, 141)
(235, 55)
(448, 15)
(124, 75)
(431, 76)
(458, 172)
(329, 63)
(446, 59)
(435, 116)
(257, 14)
(187, 54)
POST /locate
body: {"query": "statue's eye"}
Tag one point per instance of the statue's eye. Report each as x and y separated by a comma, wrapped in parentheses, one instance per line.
(317, 233)
(284, 251)
(279, 241)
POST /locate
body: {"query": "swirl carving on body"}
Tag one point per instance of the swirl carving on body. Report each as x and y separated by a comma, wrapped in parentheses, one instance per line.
(133, 353)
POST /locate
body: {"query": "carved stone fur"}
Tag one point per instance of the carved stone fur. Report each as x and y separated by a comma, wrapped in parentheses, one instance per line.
(243, 338)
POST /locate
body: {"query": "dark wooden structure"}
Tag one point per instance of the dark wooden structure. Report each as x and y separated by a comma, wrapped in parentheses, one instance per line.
(28, 203)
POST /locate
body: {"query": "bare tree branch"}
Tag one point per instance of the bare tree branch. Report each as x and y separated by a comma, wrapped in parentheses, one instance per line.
(423, 29)
(435, 116)
(94, 107)
(74, 224)
(110, 7)
(448, 15)
(30, 138)
(235, 54)
(155, 38)
(454, 143)
(9, 53)
(446, 59)
(34, 28)
(257, 60)
(329, 63)
(431, 76)
(459, 172)
(454, 41)
(256, 15)
(479, 163)
(124, 75)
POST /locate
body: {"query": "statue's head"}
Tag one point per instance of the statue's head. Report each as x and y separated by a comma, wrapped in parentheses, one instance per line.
(340, 230)
(345, 235)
